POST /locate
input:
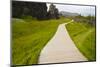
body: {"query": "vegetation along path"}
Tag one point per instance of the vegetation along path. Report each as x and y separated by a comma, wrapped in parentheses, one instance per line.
(60, 48)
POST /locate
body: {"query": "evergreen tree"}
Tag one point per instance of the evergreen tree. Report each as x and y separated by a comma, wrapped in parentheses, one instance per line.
(53, 12)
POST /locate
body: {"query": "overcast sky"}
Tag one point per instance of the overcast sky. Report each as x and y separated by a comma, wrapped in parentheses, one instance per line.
(83, 10)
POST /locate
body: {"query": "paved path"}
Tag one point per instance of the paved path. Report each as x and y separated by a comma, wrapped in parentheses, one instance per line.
(60, 48)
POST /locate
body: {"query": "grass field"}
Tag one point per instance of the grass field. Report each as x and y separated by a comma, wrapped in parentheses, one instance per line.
(29, 36)
(83, 36)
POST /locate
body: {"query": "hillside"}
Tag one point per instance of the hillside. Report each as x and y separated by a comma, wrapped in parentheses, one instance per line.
(64, 13)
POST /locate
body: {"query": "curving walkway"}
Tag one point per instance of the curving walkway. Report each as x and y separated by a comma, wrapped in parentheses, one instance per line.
(60, 48)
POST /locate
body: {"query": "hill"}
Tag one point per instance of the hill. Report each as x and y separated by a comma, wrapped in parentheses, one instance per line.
(66, 14)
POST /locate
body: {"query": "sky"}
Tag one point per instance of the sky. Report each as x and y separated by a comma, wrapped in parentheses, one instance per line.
(83, 10)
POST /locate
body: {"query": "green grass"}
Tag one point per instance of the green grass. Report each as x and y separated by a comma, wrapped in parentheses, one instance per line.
(83, 36)
(29, 36)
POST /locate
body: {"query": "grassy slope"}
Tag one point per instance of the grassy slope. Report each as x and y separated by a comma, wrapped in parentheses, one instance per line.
(83, 36)
(29, 36)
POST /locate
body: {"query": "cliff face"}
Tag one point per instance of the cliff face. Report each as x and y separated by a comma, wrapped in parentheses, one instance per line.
(34, 9)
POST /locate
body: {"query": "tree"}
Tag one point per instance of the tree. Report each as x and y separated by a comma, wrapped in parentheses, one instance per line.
(53, 12)
(34, 9)
(56, 13)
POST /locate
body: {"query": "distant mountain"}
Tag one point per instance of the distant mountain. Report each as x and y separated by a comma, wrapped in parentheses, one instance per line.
(64, 13)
